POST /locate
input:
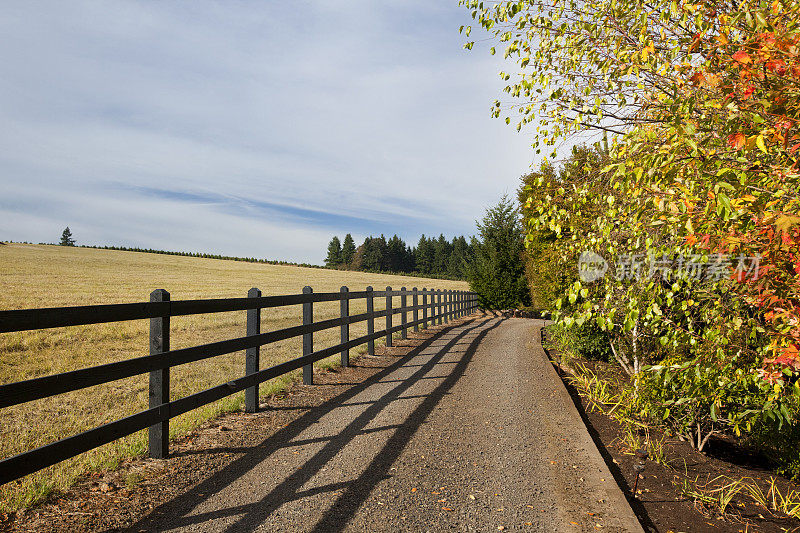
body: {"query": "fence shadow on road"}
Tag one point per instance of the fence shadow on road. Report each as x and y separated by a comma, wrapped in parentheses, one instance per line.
(248, 517)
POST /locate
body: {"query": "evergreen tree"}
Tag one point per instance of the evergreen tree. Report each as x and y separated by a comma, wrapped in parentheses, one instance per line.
(66, 238)
(423, 255)
(348, 249)
(498, 274)
(374, 256)
(441, 255)
(395, 254)
(458, 258)
(408, 263)
(334, 253)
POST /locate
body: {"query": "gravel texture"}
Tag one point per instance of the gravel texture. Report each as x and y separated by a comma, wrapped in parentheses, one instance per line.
(474, 432)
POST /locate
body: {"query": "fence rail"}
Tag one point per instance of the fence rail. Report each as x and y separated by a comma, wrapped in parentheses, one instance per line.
(437, 306)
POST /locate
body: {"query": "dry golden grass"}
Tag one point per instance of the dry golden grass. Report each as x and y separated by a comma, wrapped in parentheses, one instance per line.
(51, 276)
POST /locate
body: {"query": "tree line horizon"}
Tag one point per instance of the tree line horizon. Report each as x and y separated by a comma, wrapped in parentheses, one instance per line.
(431, 256)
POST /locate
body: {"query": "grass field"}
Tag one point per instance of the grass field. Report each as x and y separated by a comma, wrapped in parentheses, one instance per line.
(49, 276)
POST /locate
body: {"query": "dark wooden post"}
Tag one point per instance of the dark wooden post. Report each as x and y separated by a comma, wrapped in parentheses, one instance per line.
(439, 305)
(388, 317)
(460, 304)
(251, 357)
(344, 309)
(158, 442)
(403, 315)
(370, 321)
(308, 338)
(415, 304)
(424, 308)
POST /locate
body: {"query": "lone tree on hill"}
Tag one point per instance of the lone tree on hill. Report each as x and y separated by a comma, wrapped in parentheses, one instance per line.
(497, 273)
(66, 238)
(348, 249)
(334, 253)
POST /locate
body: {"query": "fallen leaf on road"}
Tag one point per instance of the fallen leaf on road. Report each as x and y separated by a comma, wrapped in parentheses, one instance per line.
(414, 489)
(446, 509)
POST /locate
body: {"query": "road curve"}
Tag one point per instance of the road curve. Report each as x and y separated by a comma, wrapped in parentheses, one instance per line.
(473, 431)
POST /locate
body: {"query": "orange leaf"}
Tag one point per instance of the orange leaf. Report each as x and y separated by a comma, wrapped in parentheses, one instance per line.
(737, 140)
(778, 66)
(446, 509)
(742, 57)
(697, 78)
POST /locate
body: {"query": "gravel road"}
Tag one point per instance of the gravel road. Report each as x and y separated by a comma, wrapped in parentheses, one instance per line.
(472, 432)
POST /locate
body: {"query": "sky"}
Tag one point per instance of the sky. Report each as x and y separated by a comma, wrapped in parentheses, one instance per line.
(256, 129)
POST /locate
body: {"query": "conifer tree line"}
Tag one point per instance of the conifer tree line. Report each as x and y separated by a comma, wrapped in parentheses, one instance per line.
(434, 256)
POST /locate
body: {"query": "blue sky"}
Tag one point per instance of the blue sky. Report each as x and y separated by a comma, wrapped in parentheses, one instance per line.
(247, 128)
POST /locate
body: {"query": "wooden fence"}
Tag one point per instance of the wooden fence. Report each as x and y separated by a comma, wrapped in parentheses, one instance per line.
(441, 305)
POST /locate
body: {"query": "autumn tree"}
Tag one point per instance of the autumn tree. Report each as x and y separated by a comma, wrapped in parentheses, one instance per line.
(701, 102)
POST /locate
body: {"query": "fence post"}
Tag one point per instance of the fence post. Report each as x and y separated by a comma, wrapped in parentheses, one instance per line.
(415, 303)
(308, 338)
(388, 317)
(439, 306)
(158, 441)
(424, 308)
(251, 357)
(370, 321)
(447, 294)
(404, 314)
(344, 309)
(460, 304)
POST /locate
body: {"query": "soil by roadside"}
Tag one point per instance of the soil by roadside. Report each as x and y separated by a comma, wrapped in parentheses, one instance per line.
(660, 503)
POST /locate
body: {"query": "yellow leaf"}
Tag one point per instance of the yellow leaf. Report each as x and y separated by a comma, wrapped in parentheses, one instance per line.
(784, 223)
(760, 143)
